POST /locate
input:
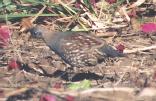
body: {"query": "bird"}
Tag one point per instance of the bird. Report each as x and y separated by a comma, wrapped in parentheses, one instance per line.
(78, 49)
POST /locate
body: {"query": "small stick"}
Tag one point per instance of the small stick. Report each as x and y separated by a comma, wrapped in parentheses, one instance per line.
(17, 91)
(139, 49)
(35, 17)
(40, 12)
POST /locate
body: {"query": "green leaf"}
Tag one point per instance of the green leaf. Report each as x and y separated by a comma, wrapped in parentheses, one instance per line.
(1, 4)
(7, 2)
(35, 1)
(9, 5)
(118, 3)
(85, 84)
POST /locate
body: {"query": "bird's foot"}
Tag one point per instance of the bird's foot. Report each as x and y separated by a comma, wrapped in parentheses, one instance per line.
(71, 73)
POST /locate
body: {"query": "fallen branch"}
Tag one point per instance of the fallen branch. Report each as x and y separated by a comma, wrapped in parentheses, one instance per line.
(139, 49)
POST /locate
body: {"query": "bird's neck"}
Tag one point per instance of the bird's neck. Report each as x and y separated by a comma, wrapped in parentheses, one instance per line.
(52, 39)
(48, 36)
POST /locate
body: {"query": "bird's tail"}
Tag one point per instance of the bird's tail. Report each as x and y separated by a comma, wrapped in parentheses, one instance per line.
(110, 52)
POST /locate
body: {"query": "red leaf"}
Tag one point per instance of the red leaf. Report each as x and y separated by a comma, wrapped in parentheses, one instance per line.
(77, 4)
(133, 13)
(69, 98)
(1, 93)
(4, 35)
(148, 28)
(14, 64)
(111, 1)
(154, 76)
(120, 48)
(93, 2)
(47, 97)
(57, 85)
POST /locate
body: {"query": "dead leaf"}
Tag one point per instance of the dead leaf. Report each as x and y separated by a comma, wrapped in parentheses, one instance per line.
(135, 24)
(26, 24)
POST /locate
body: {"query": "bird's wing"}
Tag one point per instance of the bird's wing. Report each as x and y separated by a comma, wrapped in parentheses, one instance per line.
(77, 48)
(81, 42)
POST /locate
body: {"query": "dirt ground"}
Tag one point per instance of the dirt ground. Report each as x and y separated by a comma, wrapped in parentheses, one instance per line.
(42, 70)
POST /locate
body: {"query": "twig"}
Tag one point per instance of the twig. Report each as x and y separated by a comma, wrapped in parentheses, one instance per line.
(40, 12)
(35, 17)
(124, 89)
(17, 91)
(121, 77)
(139, 49)
(100, 14)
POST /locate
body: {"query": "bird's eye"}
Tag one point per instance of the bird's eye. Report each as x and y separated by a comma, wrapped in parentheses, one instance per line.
(37, 34)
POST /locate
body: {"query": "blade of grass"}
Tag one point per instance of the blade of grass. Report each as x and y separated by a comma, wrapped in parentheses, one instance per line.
(119, 2)
(33, 1)
(11, 16)
(65, 6)
(89, 5)
(83, 26)
(37, 2)
(14, 16)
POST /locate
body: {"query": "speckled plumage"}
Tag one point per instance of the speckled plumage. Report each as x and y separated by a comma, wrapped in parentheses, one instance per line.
(78, 49)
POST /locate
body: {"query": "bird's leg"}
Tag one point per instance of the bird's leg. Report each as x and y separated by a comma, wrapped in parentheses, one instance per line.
(71, 73)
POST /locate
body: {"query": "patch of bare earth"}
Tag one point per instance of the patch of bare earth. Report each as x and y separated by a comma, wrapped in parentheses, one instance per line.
(120, 79)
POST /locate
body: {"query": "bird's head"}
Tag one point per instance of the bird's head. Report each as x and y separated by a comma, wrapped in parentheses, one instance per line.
(37, 32)
(42, 32)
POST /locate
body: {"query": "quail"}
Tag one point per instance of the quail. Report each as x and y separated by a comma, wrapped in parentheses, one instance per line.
(78, 49)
